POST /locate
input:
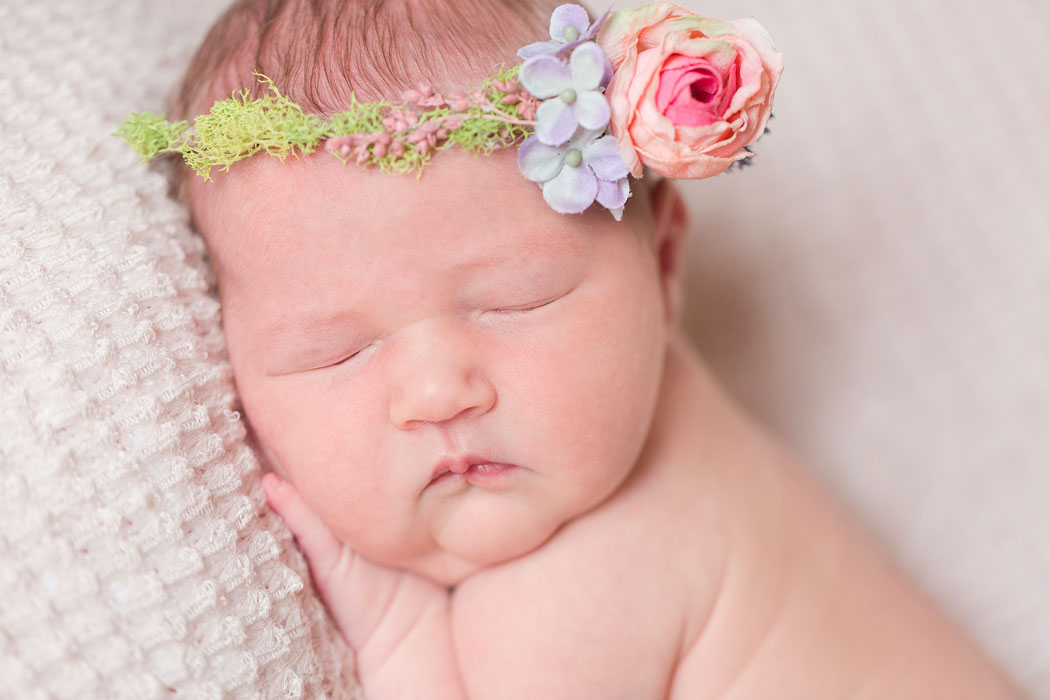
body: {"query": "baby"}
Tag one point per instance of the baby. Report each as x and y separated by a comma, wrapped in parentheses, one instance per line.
(511, 475)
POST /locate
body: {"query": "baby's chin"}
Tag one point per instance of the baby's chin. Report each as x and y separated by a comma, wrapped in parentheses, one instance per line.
(455, 560)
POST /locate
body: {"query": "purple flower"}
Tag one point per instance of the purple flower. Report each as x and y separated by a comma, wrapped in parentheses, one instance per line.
(572, 93)
(569, 29)
(586, 168)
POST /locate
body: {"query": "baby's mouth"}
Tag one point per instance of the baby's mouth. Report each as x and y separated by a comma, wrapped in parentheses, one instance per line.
(471, 469)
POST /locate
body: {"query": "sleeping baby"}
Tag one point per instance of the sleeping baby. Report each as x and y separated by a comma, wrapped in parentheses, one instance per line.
(451, 308)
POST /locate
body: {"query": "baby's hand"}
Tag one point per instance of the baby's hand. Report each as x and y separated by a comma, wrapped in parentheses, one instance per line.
(397, 623)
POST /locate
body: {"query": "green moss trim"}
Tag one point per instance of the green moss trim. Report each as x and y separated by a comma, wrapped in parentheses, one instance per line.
(241, 126)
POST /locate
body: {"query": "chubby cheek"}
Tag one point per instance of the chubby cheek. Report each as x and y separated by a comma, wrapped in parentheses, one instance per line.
(599, 385)
(322, 443)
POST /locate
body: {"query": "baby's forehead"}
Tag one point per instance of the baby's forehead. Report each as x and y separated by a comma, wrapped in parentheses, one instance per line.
(470, 213)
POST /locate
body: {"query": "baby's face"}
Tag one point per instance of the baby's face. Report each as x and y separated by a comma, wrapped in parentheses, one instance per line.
(447, 369)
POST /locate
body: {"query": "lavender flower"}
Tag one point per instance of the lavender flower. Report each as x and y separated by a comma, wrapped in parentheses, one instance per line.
(569, 28)
(575, 92)
(586, 168)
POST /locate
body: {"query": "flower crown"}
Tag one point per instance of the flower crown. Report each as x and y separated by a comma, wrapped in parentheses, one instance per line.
(656, 86)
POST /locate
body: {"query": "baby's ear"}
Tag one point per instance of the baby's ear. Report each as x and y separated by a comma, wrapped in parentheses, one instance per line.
(670, 224)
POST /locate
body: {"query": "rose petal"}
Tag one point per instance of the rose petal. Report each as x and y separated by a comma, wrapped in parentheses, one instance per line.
(555, 122)
(619, 115)
(587, 66)
(680, 80)
(676, 161)
(572, 190)
(620, 35)
(642, 95)
(544, 76)
(603, 157)
(760, 39)
(537, 161)
(613, 195)
(565, 16)
(592, 110)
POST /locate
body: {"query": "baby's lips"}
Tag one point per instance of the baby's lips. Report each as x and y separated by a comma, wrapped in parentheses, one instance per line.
(457, 464)
(461, 464)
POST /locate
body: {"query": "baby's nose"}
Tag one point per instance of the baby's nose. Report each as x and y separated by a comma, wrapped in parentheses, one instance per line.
(439, 378)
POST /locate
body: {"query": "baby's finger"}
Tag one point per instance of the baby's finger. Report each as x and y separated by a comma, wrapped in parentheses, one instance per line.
(320, 546)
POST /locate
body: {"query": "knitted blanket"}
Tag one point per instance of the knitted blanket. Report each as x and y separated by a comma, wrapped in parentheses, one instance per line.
(139, 558)
(876, 289)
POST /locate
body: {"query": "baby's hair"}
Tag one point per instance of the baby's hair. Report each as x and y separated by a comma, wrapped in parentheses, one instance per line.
(318, 52)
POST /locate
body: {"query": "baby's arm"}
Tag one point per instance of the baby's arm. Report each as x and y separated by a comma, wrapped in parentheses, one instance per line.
(397, 623)
(513, 631)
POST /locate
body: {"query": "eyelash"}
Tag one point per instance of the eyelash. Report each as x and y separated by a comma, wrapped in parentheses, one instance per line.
(345, 359)
(526, 308)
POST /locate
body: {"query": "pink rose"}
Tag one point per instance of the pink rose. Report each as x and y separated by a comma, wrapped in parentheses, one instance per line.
(689, 92)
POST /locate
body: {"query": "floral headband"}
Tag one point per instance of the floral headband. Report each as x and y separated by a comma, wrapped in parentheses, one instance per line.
(657, 86)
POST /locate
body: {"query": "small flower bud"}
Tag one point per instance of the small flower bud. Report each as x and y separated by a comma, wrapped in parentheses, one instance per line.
(458, 101)
(454, 121)
(436, 100)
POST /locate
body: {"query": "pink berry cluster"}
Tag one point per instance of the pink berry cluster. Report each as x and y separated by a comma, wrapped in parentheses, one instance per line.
(421, 122)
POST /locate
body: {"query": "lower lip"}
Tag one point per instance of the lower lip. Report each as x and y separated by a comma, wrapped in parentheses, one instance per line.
(484, 475)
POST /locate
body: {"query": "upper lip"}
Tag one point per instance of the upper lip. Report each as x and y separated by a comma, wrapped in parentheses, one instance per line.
(459, 464)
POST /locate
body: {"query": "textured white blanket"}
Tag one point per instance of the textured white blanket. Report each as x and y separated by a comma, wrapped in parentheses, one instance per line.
(137, 558)
(877, 288)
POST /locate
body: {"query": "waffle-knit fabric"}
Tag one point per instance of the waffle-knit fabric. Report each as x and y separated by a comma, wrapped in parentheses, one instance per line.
(137, 557)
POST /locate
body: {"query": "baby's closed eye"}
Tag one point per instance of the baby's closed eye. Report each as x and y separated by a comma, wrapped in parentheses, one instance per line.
(531, 306)
(362, 351)
(359, 353)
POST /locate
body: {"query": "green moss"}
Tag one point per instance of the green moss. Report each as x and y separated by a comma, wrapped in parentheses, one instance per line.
(150, 134)
(241, 126)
